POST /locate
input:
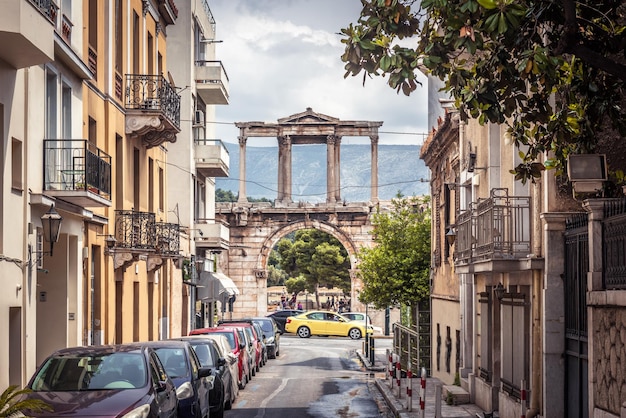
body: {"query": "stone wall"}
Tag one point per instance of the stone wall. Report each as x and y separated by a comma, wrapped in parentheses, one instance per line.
(609, 346)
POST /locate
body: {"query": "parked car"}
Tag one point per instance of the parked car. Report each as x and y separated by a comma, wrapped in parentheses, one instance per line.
(272, 334)
(232, 362)
(210, 356)
(237, 339)
(261, 339)
(257, 347)
(359, 316)
(281, 317)
(325, 323)
(188, 374)
(113, 380)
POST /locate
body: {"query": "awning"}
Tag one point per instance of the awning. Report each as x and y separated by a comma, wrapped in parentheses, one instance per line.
(215, 286)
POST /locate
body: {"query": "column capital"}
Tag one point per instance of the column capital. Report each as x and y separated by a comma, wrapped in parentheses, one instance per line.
(284, 140)
(374, 139)
(333, 139)
(242, 140)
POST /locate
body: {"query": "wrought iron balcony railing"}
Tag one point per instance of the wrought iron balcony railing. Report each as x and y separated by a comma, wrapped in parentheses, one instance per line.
(76, 165)
(135, 230)
(139, 232)
(168, 239)
(48, 7)
(494, 228)
(153, 93)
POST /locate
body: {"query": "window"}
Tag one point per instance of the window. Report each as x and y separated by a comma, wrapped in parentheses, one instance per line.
(150, 54)
(514, 326)
(66, 111)
(161, 189)
(484, 335)
(150, 185)
(51, 105)
(136, 50)
(17, 181)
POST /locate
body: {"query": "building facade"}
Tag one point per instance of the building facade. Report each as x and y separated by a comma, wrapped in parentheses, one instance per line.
(89, 111)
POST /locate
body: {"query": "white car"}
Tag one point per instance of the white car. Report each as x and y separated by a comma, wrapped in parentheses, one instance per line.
(359, 316)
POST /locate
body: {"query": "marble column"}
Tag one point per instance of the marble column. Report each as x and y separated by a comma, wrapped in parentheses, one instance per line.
(374, 180)
(242, 170)
(281, 169)
(330, 169)
(288, 175)
(337, 168)
(284, 169)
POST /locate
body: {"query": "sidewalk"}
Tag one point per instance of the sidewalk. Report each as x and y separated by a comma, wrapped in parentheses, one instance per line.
(399, 405)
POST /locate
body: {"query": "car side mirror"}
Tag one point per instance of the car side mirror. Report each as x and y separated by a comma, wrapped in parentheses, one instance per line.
(161, 386)
(242, 346)
(221, 361)
(204, 372)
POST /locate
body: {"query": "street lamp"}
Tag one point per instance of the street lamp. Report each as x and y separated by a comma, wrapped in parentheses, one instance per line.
(51, 223)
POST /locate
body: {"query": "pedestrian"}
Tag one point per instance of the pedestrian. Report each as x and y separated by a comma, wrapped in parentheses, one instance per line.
(300, 306)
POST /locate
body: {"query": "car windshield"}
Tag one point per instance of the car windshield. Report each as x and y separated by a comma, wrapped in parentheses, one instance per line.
(266, 326)
(229, 336)
(174, 360)
(91, 372)
(204, 354)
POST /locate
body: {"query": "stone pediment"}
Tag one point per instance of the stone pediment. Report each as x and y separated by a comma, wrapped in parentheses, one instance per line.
(308, 116)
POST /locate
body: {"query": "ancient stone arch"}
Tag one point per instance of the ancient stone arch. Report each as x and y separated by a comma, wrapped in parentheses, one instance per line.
(255, 228)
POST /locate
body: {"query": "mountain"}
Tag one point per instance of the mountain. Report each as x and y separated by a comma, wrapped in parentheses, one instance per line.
(399, 170)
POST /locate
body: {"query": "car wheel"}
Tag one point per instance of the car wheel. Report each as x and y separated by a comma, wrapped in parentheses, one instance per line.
(219, 413)
(304, 332)
(354, 333)
(244, 380)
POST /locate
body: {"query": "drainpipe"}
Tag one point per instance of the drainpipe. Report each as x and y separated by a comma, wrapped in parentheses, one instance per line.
(537, 331)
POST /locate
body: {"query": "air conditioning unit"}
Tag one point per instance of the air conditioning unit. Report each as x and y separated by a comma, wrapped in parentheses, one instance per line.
(199, 118)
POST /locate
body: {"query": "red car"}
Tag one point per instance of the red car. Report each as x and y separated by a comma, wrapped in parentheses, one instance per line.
(237, 340)
(250, 330)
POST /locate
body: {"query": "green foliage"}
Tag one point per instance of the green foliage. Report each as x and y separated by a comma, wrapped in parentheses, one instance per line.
(397, 269)
(276, 276)
(13, 403)
(224, 196)
(296, 285)
(318, 257)
(552, 71)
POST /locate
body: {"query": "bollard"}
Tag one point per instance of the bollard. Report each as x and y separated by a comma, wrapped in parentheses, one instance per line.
(372, 348)
(392, 367)
(409, 388)
(398, 376)
(423, 393)
(438, 401)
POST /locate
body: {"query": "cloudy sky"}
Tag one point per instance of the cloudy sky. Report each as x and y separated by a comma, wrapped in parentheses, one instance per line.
(282, 56)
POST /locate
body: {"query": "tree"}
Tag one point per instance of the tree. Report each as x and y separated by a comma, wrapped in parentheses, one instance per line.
(224, 196)
(318, 257)
(397, 269)
(553, 72)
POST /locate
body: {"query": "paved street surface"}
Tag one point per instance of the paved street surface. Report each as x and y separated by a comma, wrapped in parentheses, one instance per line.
(315, 377)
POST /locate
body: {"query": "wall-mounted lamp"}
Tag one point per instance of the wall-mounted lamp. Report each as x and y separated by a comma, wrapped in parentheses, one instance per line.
(498, 291)
(451, 236)
(471, 161)
(211, 41)
(587, 172)
(51, 224)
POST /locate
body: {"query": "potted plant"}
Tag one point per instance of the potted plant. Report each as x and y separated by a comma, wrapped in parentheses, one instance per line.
(13, 403)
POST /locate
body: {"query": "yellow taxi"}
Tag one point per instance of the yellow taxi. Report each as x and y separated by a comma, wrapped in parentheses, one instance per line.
(325, 323)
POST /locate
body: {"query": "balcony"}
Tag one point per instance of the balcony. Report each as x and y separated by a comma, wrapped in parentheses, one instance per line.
(211, 234)
(495, 230)
(76, 171)
(212, 158)
(139, 237)
(212, 82)
(27, 36)
(152, 109)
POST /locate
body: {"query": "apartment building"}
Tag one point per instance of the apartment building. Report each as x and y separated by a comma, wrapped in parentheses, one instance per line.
(87, 245)
(196, 159)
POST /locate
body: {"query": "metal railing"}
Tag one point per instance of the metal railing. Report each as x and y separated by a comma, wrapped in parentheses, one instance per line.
(153, 93)
(614, 244)
(135, 230)
(48, 7)
(494, 228)
(168, 239)
(76, 165)
(406, 346)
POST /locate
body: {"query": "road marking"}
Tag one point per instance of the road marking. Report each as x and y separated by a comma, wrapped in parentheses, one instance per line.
(263, 405)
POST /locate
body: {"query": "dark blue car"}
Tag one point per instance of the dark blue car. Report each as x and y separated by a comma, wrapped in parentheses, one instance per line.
(193, 382)
(108, 380)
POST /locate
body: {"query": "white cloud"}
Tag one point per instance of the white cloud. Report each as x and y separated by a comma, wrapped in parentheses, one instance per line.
(284, 56)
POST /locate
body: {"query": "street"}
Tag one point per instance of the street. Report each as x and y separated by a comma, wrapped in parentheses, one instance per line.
(314, 377)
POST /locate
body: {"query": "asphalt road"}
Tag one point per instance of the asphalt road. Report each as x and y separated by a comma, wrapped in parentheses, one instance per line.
(314, 377)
